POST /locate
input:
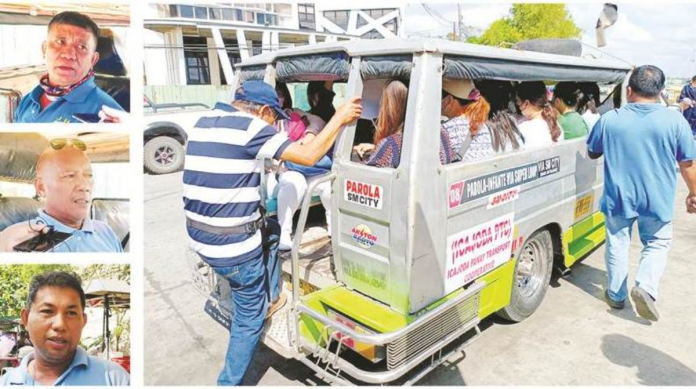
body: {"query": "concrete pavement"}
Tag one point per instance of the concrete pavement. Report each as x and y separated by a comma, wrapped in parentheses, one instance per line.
(573, 339)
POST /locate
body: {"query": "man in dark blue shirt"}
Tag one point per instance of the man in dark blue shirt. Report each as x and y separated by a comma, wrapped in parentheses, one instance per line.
(68, 88)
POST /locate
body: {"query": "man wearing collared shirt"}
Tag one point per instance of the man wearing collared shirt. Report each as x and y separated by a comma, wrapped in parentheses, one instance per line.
(54, 318)
(68, 88)
(222, 175)
(64, 179)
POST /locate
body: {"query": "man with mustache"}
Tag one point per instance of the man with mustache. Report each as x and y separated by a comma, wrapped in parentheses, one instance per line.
(64, 179)
(68, 88)
(54, 317)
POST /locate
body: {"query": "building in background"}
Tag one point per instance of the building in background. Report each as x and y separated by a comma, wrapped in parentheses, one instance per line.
(198, 44)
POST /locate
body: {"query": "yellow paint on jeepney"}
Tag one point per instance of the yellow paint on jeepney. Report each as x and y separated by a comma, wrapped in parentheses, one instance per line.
(583, 206)
(582, 237)
(381, 319)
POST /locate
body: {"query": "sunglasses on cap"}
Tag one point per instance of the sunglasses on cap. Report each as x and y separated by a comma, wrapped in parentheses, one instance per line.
(60, 143)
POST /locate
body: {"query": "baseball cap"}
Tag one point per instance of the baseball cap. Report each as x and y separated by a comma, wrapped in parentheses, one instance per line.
(259, 92)
(461, 89)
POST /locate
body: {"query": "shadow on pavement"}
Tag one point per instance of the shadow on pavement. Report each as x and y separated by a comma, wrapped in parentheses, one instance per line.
(291, 369)
(654, 366)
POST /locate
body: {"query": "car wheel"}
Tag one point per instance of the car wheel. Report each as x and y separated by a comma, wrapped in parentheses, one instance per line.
(163, 155)
(532, 275)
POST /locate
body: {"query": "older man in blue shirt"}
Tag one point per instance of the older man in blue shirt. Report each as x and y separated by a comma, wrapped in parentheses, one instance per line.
(641, 143)
(54, 318)
(68, 88)
(64, 179)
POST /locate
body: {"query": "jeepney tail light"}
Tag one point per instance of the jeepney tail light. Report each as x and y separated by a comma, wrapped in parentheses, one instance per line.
(371, 352)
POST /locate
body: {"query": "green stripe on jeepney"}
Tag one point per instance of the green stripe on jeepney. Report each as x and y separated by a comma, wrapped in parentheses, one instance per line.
(380, 318)
(583, 237)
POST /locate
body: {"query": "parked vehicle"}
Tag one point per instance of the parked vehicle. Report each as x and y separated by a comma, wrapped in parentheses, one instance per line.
(421, 253)
(165, 136)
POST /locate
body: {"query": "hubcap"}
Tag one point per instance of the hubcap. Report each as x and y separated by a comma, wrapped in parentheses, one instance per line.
(164, 155)
(530, 268)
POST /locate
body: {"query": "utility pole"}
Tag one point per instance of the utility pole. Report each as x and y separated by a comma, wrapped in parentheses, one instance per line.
(459, 22)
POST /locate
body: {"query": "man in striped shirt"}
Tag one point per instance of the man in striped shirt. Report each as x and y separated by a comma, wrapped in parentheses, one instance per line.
(222, 175)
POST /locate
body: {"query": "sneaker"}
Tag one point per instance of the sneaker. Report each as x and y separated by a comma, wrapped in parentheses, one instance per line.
(276, 305)
(645, 304)
(613, 303)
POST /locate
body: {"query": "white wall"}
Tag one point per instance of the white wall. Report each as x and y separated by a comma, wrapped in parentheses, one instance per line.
(21, 45)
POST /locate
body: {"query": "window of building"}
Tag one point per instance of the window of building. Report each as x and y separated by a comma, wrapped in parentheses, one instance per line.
(392, 26)
(238, 14)
(248, 16)
(201, 12)
(228, 14)
(361, 21)
(173, 11)
(339, 18)
(372, 34)
(196, 59)
(186, 11)
(215, 13)
(307, 17)
(261, 18)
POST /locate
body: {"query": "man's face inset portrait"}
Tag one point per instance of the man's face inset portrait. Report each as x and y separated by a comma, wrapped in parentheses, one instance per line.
(55, 321)
(69, 52)
(64, 179)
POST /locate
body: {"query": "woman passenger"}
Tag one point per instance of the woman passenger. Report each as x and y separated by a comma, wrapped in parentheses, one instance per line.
(565, 100)
(389, 129)
(539, 126)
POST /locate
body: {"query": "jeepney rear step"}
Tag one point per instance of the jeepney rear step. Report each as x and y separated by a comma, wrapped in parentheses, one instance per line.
(276, 334)
(316, 262)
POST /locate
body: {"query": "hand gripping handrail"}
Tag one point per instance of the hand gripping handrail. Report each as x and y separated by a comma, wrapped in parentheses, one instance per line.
(296, 249)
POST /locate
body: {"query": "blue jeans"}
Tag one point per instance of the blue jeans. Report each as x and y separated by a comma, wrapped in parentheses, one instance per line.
(252, 283)
(656, 237)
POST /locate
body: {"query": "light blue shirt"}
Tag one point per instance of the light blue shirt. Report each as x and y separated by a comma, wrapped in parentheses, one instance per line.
(94, 237)
(86, 98)
(641, 144)
(84, 370)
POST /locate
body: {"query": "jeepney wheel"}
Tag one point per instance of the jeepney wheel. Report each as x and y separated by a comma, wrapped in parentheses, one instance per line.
(163, 155)
(532, 275)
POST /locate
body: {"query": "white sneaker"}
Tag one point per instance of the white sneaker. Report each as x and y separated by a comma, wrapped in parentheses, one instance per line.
(285, 243)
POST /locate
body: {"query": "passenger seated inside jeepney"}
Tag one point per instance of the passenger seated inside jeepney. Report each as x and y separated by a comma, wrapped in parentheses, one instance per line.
(293, 180)
(539, 123)
(468, 124)
(502, 122)
(389, 130)
(589, 103)
(566, 96)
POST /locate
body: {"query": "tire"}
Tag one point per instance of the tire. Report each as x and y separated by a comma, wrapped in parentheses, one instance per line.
(532, 276)
(163, 155)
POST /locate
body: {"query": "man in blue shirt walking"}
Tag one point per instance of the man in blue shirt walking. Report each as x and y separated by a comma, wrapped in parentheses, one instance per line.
(54, 318)
(68, 88)
(641, 143)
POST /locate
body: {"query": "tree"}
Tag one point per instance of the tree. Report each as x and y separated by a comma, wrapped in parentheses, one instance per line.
(530, 21)
(15, 280)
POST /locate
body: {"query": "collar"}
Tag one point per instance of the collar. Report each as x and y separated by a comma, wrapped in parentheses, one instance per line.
(79, 359)
(225, 107)
(87, 224)
(76, 96)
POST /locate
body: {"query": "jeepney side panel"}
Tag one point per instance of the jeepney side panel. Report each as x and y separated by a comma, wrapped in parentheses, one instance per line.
(529, 190)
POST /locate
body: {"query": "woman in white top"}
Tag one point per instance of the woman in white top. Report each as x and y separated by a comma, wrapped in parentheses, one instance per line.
(539, 126)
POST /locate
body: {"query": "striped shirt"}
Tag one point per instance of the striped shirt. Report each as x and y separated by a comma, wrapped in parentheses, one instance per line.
(222, 175)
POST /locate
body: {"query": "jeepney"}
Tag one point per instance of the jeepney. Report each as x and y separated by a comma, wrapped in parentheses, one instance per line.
(420, 254)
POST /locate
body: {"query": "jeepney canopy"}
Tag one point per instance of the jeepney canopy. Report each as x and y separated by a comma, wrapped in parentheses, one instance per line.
(393, 59)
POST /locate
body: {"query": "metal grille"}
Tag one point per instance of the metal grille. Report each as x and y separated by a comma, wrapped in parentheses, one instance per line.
(412, 344)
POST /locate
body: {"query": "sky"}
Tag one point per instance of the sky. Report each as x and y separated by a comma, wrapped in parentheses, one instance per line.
(662, 34)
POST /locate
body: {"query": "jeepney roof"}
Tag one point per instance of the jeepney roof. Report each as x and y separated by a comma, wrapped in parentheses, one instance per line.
(384, 47)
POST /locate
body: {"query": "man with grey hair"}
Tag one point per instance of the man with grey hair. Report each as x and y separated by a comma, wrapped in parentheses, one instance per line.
(641, 143)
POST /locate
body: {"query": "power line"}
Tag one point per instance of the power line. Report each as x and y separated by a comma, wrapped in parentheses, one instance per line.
(436, 16)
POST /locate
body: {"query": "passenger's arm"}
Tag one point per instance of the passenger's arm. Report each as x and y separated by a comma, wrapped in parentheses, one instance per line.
(308, 154)
(308, 136)
(688, 172)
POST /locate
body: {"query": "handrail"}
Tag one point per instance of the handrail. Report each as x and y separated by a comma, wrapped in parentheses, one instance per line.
(306, 201)
(387, 337)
